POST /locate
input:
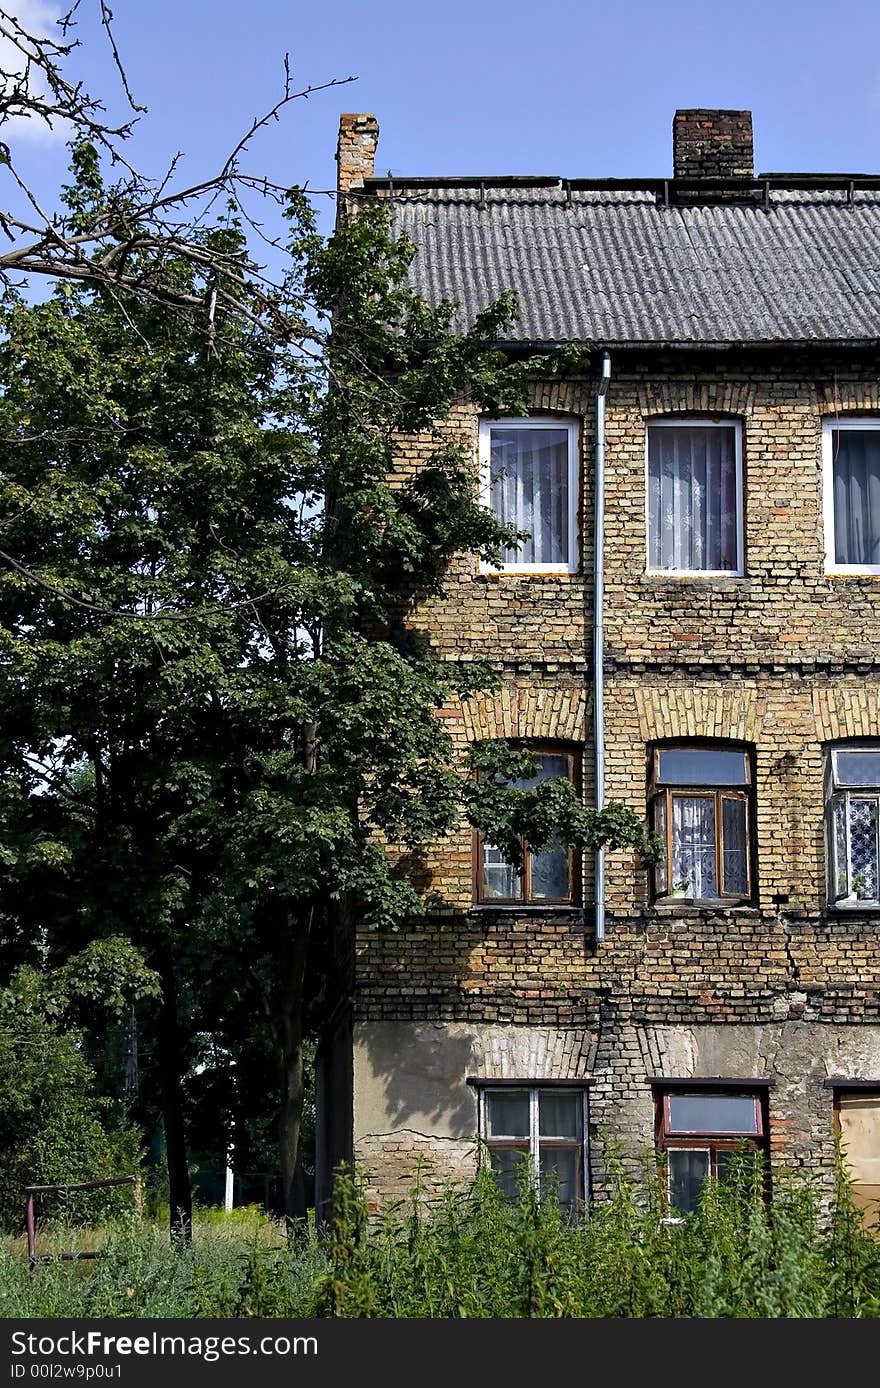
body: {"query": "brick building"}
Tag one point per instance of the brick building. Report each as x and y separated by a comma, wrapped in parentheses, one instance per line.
(713, 663)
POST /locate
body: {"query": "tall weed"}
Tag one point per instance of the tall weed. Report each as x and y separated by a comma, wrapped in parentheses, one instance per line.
(473, 1253)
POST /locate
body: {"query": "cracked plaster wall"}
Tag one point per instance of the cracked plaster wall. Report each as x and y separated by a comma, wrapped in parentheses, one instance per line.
(414, 1106)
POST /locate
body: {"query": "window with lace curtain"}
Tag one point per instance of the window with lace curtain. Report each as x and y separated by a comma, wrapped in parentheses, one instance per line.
(853, 799)
(702, 808)
(529, 480)
(694, 496)
(851, 473)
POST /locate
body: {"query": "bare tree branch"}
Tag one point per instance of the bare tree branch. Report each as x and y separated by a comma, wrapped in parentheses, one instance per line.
(137, 231)
(107, 26)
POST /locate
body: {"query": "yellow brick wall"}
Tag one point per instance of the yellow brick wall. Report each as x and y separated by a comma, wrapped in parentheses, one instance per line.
(784, 658)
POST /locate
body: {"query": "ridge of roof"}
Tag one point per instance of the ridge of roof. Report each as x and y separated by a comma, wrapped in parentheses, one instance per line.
(759, 184)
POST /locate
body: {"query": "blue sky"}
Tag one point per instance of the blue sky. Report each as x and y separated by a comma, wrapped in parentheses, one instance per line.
(495, 86)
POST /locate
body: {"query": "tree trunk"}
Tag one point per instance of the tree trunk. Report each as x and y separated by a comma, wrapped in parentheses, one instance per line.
(288, 1003)
(170, 1072)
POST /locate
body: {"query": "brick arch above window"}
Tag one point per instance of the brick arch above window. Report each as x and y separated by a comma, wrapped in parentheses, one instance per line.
(524, 711)
(710, 398)
(849, 397)
(501, 1052)
(847, 711)
(560, 397)
(687, 712)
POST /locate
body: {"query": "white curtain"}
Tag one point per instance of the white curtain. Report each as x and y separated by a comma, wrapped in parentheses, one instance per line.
(856, 464)
(692, 501)
(661, 877)
(529, 490)
(838, 843)
(693, 845)
(500, 878)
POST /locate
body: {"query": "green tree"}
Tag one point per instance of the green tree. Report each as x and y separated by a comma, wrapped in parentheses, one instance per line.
(55, 1127)
(214, 707)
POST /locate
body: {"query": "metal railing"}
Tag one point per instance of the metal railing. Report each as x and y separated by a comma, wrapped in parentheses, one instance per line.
(31, 1192)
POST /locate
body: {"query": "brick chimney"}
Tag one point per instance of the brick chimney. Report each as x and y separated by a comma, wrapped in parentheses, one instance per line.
(713, 144)
(355, 150)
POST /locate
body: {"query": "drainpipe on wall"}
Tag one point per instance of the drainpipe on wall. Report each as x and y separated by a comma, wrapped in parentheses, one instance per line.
(599, 634)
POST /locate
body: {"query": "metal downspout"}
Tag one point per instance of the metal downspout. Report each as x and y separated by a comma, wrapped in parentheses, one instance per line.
(599, 634)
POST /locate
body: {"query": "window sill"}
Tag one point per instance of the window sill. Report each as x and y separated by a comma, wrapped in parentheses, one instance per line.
(859, 907)
(693, 906)
(525, 908)
(529, 573)
(713, 576)
(855, 572)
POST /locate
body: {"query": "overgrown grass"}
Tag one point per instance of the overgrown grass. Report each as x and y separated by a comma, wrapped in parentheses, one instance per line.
(474, 1254)
(239, 1265)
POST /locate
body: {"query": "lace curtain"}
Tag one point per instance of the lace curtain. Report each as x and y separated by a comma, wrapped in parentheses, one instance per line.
(694, 851)
(529, 490)
(693, 845)
(855, 843)
(692, 501)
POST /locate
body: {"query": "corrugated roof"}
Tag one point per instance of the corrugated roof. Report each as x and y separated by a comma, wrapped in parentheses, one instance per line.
(617, 266)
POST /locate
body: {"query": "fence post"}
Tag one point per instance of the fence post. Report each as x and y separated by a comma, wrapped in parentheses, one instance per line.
(31, 1232)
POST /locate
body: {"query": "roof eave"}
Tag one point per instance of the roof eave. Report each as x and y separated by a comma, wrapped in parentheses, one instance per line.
(690, 345)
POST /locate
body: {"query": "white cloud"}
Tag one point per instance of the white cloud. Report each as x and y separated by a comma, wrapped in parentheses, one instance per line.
(38, 18)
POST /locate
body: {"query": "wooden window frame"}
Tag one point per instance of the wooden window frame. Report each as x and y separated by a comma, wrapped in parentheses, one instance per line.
(574, 758)
(568, 423)
(668, 1139)
(668, 791)
(533, 1145)
(682, 1136)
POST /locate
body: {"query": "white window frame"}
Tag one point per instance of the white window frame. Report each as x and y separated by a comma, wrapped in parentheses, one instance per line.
(533, 1087)
(694, 422)
(838, 789)
(829, 425)
(485, 455)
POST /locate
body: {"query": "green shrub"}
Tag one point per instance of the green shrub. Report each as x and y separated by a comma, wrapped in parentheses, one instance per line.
(54, 1126)
(241, 1267)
